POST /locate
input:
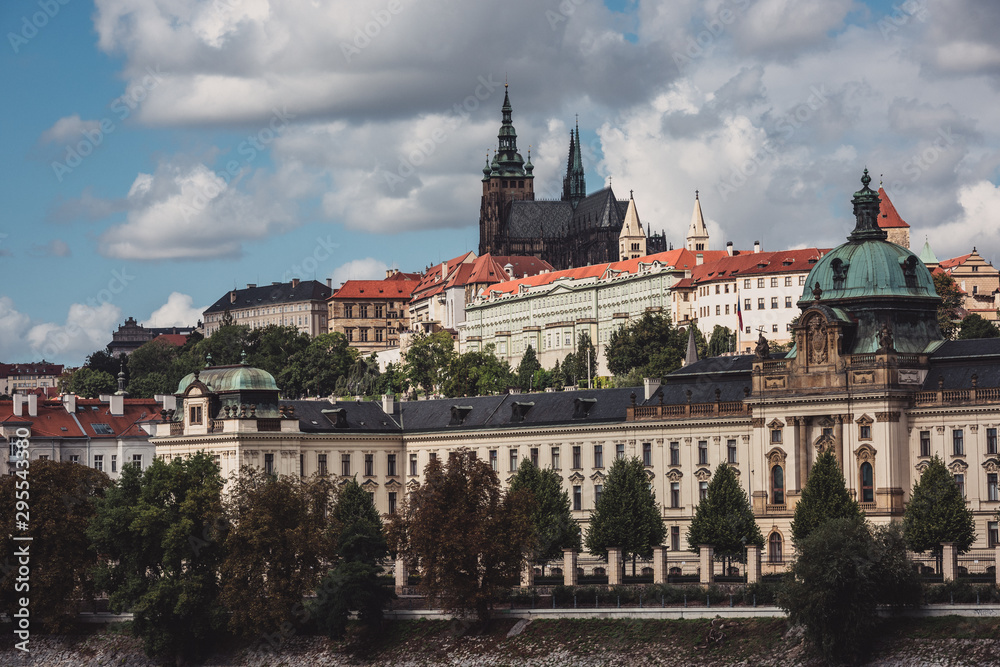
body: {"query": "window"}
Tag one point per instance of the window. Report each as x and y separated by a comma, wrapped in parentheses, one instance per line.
(746, 283)
(958, 442)
(675, 537)
(379, 309)
(392, 502)
(774, 302)
(302, 463)
(718, 310)
(960, 483)
(494, 460)
(788, 302)
(598, 492)
(925, 443)
(349, 333)
(433, 456)
(746, 304)
(74, 458)
(774, 328)
(802, 280)
(774, 282)
(620, 451)
(717, 288)
(114, 463)
(775, 435)
(105, 429)
(269, 464)
(363, 311)
(195, 415)
(991, 441)
(137, 460)
(513, 460)
(555, 458)
(379, 335)
(371, 498)
(369, 465)
(534, 455)
(99, 462)
(731, 451)
(777, 485)
(702, 490)
(321, 463)
(363, 335)
(774, 548)
(788, 281)
(991, 486)
(993, 533)
(413, 464)
(865, 432)
(390, 465)
(348, 310)
(675, 494)
(760, 303)
(702, 452)
(867, 483)
(760, 282)
(598, 456)
(578, 497)
(576, 457)
(647, 454)
(675, 453)
(727, 309)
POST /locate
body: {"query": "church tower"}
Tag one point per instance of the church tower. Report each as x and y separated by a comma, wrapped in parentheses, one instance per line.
(506, 178)
(632, 240)
(574, 184)
(697, 238)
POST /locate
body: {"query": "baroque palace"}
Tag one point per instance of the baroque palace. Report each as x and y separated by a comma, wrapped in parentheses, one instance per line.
(869, 377)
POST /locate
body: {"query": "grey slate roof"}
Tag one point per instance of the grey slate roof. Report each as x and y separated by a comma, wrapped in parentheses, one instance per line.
(270, 295)
(556, 219)
(957, 360)
(728, 374)
(366, 417)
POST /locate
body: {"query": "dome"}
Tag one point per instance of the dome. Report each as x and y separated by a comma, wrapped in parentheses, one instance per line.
(231, 378)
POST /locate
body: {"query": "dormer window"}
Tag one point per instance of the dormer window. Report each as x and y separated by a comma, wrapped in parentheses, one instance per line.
(840, 268)
(337, 417)
(582, 407)
(518, 411)
(458, 414)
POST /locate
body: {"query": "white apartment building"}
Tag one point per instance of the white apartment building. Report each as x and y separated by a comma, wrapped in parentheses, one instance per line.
(299, 303)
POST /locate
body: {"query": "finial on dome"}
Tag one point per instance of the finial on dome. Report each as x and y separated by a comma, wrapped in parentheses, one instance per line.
(695, 194)
(865, 178)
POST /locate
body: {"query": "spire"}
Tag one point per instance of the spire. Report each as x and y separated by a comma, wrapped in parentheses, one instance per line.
(866, 211)
(697, 238)
(121, 380)
(692, 352)
(508, 162)
(927, 255)
(632, 226)
(631, 240)
(574, 184)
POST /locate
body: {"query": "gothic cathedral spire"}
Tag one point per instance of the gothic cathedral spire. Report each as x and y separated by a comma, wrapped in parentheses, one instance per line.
(574, 184)
(697, 238)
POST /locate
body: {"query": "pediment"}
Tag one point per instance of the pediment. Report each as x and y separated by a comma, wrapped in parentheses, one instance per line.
(675, 475)
(597, 476)
(702, 474)
(576, 478)
(369, 485)
(393, 484)
(958, 466)
(776, 423)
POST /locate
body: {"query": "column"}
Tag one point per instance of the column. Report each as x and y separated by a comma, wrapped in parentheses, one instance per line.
(527, 574)
(660, 565)
(753, 564)
(402, 575)
(802, 449)
(569, 567)
(838, 433)
(706, 559)
(996, 565)
(949, 563)
(614, 566)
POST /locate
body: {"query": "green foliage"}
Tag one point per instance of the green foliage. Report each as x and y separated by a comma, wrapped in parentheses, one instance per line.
(61, 498)
(569, 369)
(363, 377)
(937, 512)
(276, 542)
(157, 534)
(468, 536)
(527, 369)
(558, 377)
(392, 380)
(554, 526)
(951, 303)
(477, 373)
(840, 574)
(627, 515)
(89, 383)
(976, 326)
(585, 350)
(650, 344)
(427, 360)
(824, 497)
(724, 519)
(722, 340)
(315, 370)
(103, 360)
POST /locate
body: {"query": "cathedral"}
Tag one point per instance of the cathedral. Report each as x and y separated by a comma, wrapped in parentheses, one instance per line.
(577, 230)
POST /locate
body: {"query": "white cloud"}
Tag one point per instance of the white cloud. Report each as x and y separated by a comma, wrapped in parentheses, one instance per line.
(359, 269)
(54, 248)
(14, 326)
(178, 311)
(87, 328)
(67, 129)
(980, 204)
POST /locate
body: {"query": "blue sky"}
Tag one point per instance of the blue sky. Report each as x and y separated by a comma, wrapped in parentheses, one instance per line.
(160, 152)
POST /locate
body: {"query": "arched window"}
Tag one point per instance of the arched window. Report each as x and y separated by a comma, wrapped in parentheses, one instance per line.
(777, 485)
(867, 485)
(774, 548)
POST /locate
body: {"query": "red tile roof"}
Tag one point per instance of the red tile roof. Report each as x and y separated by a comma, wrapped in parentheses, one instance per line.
(53, 418)
(888, 217)
(757, 263)
(946, 264)
(432, 282)
(391, 288)
(49, 423)
(176, 340)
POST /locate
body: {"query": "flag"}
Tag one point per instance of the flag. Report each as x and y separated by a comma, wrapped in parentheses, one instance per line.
(739, 312)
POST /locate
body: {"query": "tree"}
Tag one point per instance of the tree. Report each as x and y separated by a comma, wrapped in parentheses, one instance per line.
(554, 526)
(269, 348)
(722, 340)
(842, 571)
(724, 519)
(937, 512)
(277, 540)
(477, 373)
(353, 585)
(153, 369)
(61, 498)
(315, 370)
(558, 378)
(570, 369)
(468, 536)
(976, 326)
(585, 359)
(627, 515)
(427, 360)
(824, 497)
(159, 535)
(650, 344)
(392, 380)
(951, 303)
(526, 370)
(103, 360)
(88, 383)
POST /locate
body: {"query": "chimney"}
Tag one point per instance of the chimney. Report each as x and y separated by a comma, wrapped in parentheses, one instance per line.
(169, 401)
(69, 402)
(509, 269)
(251, 285)
(651, 385)
(756, 246)
(729, 248)
(388, 403)
(232, 297)
(295, 283)
(18, 403)
(32, 405)
(699, 259)
(329, 283)
(444, 270)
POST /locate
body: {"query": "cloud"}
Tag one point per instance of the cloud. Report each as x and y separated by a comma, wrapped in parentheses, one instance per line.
(14, 326)
(178, 311)
(980, 202)
(780, 28)
(186, 211)
(67, 129)
(359, 269)
(54, 248)
(87, 328)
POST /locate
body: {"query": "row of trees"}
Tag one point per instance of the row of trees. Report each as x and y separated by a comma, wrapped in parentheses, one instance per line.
(190, 563)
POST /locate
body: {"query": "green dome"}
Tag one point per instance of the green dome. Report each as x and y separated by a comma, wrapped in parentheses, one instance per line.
(869, 268)
(231, 378)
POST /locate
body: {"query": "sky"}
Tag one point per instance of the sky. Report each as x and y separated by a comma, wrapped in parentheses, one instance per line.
(159, 153)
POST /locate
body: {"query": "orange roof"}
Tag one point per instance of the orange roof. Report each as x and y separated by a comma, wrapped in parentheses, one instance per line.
(52, 421)
(173, 339)
(887, 215)
(432, 282)
(757, 263)
(390, 288)
(946, 264)
(126, 425)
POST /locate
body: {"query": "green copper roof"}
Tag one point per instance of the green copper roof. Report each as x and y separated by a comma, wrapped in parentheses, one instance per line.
(231, 378)
(927, 255)
(507, 162)
(866, 269)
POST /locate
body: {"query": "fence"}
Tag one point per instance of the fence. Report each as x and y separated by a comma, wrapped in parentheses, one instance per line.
(978, 565)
